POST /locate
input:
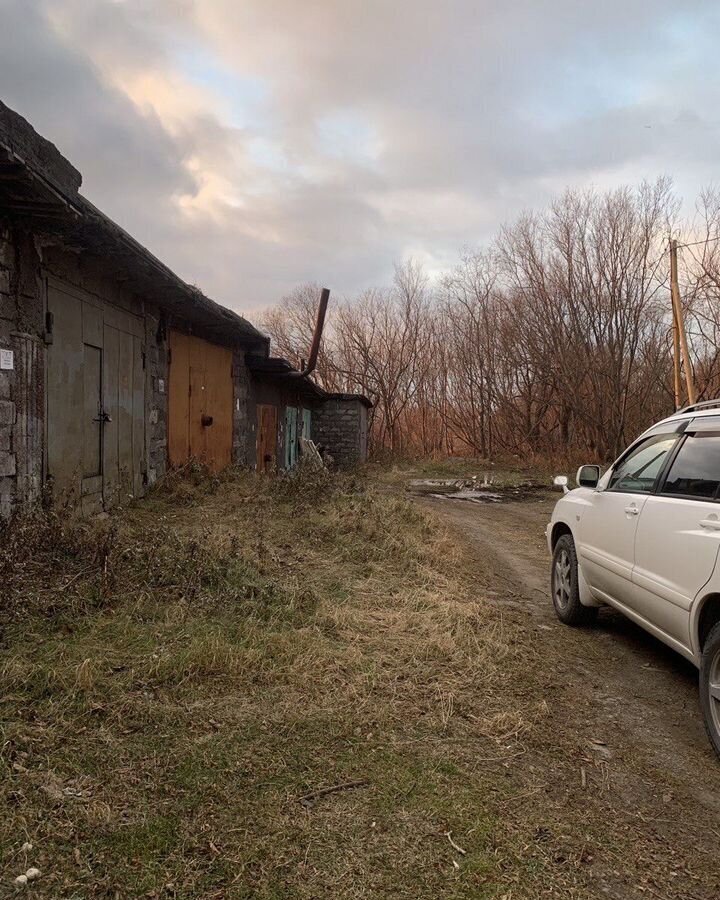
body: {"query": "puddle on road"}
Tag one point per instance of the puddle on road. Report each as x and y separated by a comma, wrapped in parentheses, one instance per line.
(472, 490)
(472, 496)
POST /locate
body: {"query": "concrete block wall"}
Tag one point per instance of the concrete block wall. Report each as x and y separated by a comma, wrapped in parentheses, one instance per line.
(243, 413)
(22, 386)
(8, 327)
(340, 427)
(156, 386)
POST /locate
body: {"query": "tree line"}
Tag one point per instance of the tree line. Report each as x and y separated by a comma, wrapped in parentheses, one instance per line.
(552, 341)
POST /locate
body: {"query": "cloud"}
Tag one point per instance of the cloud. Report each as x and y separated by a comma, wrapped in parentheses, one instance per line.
(257, 145)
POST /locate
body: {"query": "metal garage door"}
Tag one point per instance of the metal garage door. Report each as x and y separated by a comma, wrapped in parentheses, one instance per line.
(95, 400)
(267, 436)
(200, 402)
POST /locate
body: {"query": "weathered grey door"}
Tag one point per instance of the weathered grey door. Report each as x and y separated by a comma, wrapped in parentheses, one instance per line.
(123, 413)
(307, 424)
(95, 400)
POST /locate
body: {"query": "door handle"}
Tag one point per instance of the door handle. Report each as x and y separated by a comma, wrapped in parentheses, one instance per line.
(710, 524)
(632, 510)
(103, 417)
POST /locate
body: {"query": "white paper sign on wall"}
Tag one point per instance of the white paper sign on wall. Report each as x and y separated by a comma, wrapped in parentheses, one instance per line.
(7, 359)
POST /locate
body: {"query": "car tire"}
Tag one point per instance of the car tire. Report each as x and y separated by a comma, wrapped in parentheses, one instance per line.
(564, 585)
(710, 687)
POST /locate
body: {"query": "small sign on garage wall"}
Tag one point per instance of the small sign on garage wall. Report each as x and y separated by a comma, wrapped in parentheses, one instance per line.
(7, 359)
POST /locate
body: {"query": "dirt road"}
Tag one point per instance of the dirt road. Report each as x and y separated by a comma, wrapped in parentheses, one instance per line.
(623, 748)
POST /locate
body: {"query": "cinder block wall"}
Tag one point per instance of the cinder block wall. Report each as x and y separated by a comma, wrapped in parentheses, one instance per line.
(340, 427)
(156, 387)
(22, 386)
(243, 417)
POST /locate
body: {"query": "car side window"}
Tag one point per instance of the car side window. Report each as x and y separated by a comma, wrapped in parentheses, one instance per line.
(638, 472)
(695, 471)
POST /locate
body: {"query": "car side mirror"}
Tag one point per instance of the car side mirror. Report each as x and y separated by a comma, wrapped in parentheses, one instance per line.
(588, 476)
(562, 482)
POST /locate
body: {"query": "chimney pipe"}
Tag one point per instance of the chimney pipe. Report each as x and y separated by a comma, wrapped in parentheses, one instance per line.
(319, 324)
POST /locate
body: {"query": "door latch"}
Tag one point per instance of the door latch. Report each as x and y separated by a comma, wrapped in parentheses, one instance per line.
(103, 417)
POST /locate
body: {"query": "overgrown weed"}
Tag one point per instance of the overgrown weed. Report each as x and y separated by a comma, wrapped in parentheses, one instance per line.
(206, 656)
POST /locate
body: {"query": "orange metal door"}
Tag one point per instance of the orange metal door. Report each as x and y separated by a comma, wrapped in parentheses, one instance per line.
(267, 419)
(218, 411)
(200, 401)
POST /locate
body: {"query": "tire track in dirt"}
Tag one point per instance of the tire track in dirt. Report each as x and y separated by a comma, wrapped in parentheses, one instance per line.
(621, 685)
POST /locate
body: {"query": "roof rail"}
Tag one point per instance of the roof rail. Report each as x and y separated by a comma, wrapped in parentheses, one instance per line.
(702, 405)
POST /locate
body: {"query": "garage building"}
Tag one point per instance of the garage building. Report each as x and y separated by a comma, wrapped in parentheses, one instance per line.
(111, 366)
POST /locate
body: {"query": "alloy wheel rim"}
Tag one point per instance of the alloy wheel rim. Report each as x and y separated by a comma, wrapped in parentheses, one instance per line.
(562, 587)
(714, 692)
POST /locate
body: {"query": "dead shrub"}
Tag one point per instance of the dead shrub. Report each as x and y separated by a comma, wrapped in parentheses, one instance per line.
(44, 554)
(309, 484)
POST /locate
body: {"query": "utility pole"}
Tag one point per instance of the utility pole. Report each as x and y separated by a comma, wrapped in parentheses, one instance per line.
(677, 385)
(679, 335)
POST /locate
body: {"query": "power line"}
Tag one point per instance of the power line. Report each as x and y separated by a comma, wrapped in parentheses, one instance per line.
(697, 243)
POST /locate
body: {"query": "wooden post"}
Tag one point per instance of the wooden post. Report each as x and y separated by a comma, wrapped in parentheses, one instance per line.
(676, 359)
(678, 318)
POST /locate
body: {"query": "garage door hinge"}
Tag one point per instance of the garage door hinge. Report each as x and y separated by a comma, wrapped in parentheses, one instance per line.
(144, 359)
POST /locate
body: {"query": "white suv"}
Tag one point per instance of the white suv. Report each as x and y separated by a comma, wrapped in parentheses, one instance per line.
(644, 537)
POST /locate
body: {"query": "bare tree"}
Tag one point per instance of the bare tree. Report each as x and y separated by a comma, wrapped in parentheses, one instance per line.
(555, 340)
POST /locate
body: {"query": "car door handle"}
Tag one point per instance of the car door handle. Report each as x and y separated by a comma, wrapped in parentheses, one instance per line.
(711, 524)
(632, 510)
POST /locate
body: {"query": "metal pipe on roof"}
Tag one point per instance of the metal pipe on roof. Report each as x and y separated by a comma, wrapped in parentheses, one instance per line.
(319, 325)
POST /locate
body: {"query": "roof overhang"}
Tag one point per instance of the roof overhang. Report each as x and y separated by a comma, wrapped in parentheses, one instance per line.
(278, 371)
(39, 189)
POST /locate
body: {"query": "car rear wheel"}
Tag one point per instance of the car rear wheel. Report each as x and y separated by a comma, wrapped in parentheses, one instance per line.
(564, 585)
(710, 687)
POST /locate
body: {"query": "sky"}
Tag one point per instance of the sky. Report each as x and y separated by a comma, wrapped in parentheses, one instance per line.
(254, 145)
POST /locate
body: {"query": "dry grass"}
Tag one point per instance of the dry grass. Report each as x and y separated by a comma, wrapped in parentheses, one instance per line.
(175, 678)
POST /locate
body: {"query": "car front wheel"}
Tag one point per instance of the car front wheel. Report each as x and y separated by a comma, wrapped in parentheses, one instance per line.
(710, 687)
(564, 584)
